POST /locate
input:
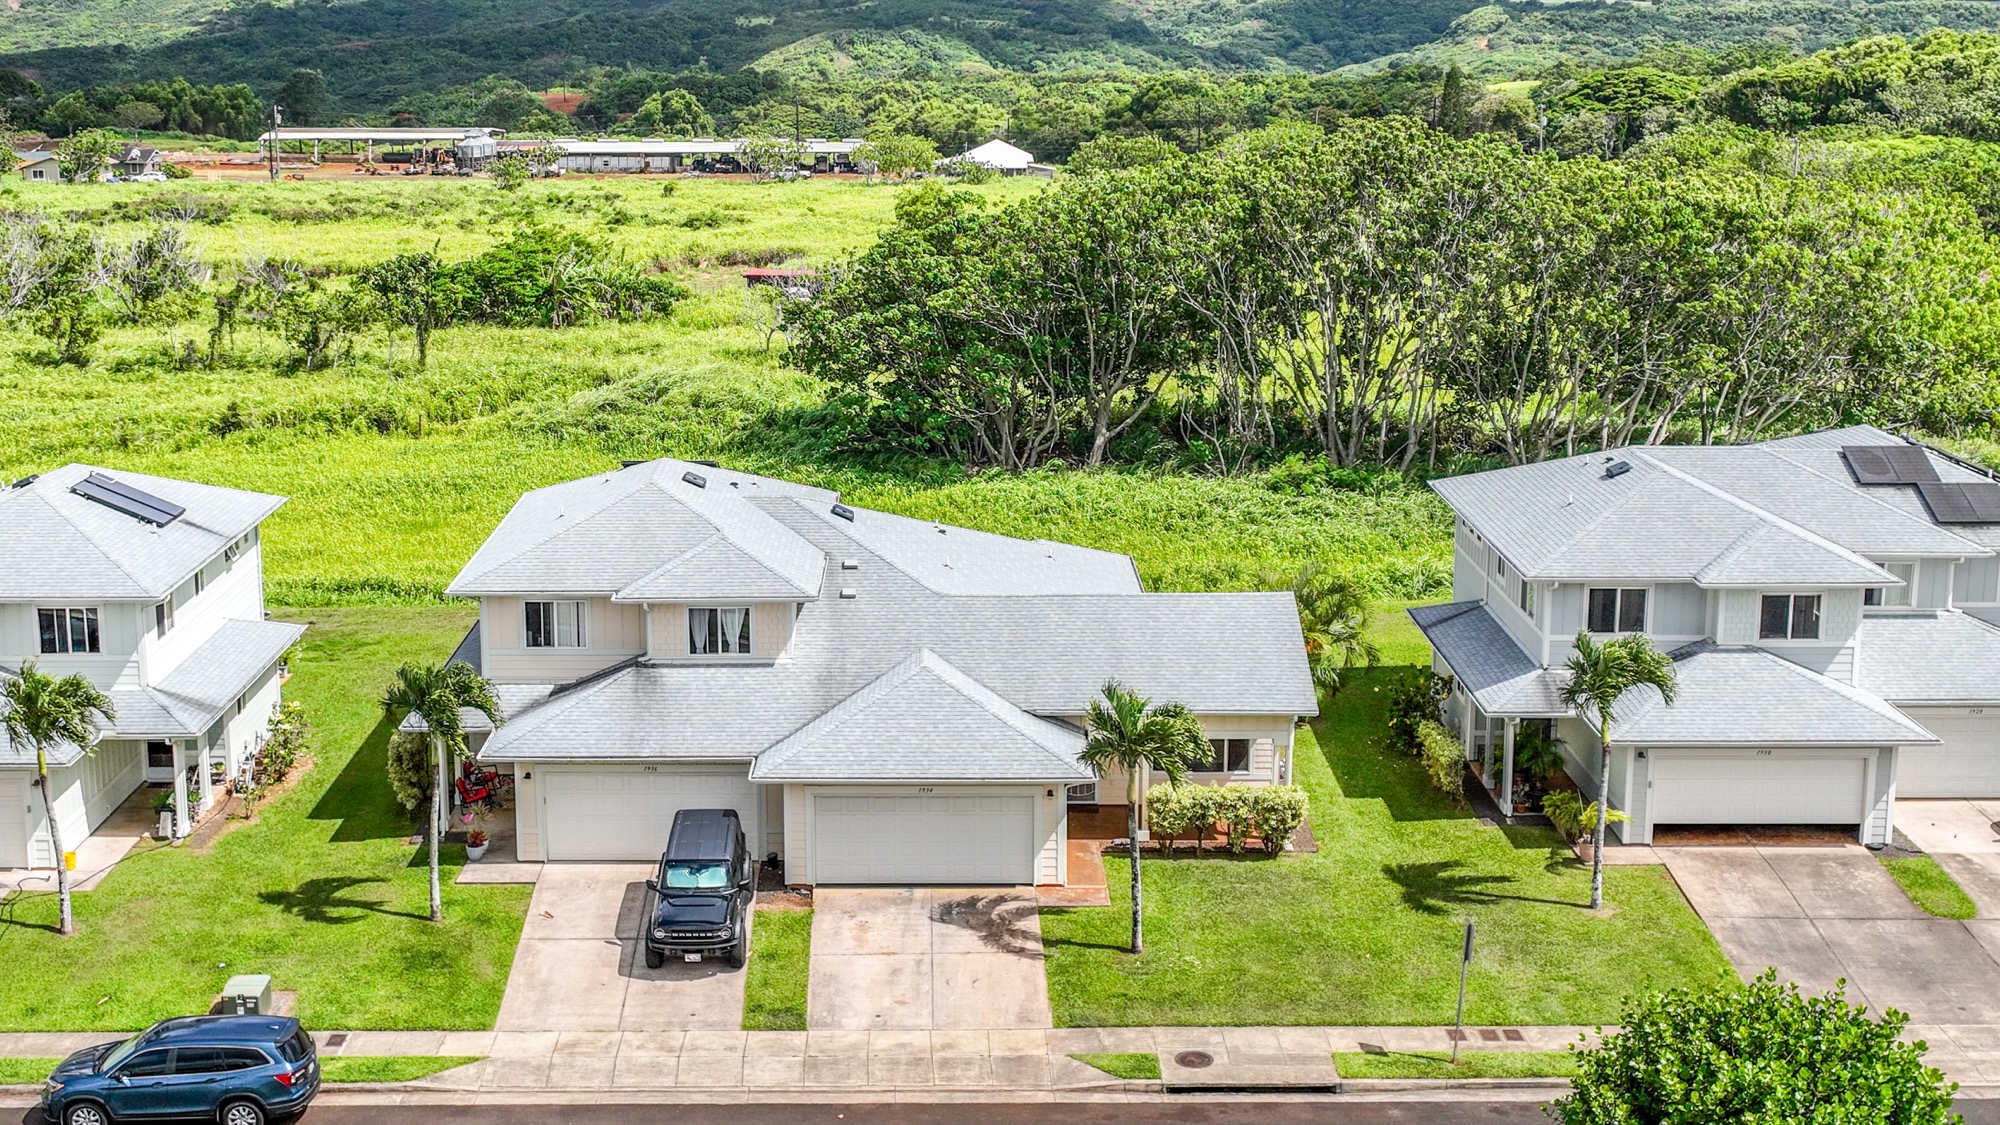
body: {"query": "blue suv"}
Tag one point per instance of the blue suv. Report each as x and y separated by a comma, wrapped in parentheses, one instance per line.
(235, 1070)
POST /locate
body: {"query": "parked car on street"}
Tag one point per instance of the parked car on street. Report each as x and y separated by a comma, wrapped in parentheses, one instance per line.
(236, 1070)
(704, 891)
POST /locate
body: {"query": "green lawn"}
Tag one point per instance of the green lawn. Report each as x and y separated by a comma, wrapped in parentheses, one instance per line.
(1135, 1065)
(25, 1072)
(774, 990)
(389, 1068)
(1368, 930)
(1930, 886)
(1471, 1064)
(322, 893)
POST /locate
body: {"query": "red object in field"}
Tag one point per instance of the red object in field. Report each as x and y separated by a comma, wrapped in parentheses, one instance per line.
(759, 275)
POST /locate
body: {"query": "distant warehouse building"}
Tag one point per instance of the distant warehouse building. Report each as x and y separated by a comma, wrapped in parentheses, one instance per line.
(701, 154)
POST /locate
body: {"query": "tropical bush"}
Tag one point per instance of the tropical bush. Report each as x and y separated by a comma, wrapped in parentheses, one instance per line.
(1269, 812)
(1761, 1054)
(1566, 809)
(1175, 811)
(1443, 757)
(411, 772)
(1414, 700)
(285, 745)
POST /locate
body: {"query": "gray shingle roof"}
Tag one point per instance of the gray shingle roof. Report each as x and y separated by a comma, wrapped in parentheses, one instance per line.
(1503, 680)
(55, 544)
(1739, 696)
(1928, 657)
(924, 720)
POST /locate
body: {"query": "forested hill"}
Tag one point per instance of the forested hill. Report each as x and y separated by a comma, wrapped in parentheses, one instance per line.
(374, 51)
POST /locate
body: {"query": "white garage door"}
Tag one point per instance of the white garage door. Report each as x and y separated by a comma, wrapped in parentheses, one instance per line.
(1967, 765)
(903, 837)
(13, 820)
(1758, 790)
(626, 812)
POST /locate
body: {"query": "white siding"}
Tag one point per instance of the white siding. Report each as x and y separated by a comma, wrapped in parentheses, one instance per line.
(1976, 581)
(14, 802)
(1679, 610)
(612, 632)
(85, 794)
(770, 633)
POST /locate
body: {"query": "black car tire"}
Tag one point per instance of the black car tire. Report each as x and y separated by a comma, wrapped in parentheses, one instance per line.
(654, 958)
(242, 1111)
(739, 953)
(85, 1113)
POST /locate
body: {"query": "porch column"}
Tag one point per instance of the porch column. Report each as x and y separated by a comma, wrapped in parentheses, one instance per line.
(202, 773)
(1465, 728)
(180, 790)
(1507, 771)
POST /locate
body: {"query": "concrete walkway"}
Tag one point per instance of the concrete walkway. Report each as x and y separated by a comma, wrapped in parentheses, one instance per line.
(1965, 840)
(923, 958)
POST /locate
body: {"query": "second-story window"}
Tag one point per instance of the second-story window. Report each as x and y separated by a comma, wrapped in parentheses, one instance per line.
(718, 630)
(163, 618)
(1893, 595)
(1528, 599)
(1789, 617)
(68, 630)
(1614, 610)
(554, 624)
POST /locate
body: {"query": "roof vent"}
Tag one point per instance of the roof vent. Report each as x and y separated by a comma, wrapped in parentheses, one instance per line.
(27, 480)
(631, 461)
(847, 594)
(850, 564)
(844, 512)
(939, 527)
(143, 506)
(1617, 469)
(695, 479)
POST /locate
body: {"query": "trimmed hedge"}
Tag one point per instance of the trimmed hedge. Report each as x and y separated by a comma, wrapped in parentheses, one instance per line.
(1270, 812)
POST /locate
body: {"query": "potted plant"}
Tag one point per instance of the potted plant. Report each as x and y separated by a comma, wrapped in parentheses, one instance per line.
(1576, 820)
(475, 845)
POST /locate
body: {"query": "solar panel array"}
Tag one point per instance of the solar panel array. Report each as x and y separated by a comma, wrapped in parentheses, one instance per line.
(1889, 464)
(1962, 502)
(124, 498)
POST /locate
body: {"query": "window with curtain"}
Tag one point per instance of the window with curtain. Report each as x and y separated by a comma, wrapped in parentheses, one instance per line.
(554, 624)
(716, 630)
(69, 630)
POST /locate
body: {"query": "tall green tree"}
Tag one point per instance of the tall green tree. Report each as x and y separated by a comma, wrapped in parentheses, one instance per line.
(1453, 114)
(1333, 617)
(1599, 676)
(303, 95)
(82, 156)
(438, 696)
(417, 291)
(1126, 732)
(42, 712)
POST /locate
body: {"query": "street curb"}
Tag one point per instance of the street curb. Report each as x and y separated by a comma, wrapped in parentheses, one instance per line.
(1405, 1085)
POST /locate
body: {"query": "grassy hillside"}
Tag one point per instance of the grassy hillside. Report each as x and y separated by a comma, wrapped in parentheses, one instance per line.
(395, 476)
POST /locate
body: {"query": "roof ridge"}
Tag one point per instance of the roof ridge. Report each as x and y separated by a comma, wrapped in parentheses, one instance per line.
(555, 530)
(1866, 699)
(1775, 520)
(865, 696)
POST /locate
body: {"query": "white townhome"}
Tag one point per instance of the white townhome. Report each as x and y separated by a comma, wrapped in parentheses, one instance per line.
(1830, 601)
(153, 590)
(882, 699)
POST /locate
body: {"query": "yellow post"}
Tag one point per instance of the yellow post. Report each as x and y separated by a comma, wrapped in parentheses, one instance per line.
(69, 861)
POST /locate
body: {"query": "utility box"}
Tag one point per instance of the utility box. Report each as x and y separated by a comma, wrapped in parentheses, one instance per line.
(247, 995)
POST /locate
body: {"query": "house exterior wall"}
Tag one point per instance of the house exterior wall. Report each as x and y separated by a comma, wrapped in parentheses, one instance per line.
(770, 632)
(527, 814)
(1976, 582)
(15, 802)
(612, 632)
(84, 794)
(1934, 583)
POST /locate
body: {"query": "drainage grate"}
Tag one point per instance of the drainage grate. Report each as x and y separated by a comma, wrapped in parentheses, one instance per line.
(1194, 1060)
(337, 1039)
(1489, 1035)
(1513, 1035)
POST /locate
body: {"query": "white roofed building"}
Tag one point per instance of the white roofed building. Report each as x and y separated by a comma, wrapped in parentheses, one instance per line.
(1000, 156)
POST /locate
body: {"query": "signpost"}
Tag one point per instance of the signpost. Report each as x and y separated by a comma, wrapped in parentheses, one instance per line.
(1464, 963)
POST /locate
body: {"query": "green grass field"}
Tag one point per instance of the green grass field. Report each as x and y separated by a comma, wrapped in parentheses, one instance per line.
(774, 989)
(1930, 886)
(25, 1072)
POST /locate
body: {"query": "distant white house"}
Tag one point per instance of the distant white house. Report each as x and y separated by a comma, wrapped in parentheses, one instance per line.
(1001, 157)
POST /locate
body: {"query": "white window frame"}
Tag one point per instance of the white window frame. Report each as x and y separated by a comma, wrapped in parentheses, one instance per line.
(743, 644)
(65, 615)
(1220, 752)
(1791, 619)
(163, 617)
(554, 628)
(1894, 597)
(1618, 609)
(1527, 598)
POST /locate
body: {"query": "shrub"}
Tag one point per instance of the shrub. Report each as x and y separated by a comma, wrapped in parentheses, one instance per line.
(551, 278)
(1413, 701)
(410, 769)
(1174, 811)
(1236, 811)
(1762, 1052)
(1574, 819)
(286, 744)
(1443, 756)
(1279, 809)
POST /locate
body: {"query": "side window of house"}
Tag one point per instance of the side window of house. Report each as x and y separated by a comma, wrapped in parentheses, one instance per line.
(1613, 610)
(68, 629)
(1893, 595)
(554, 624)
(1528, 599)
(1792, 617)
(713, 630)
(163, 618)
(1232, 755)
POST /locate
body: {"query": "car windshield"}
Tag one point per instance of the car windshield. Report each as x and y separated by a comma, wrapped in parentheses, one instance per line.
(697, 876)
(119, 1054)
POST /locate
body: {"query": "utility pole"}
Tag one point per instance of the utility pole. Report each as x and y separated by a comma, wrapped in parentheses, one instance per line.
(277, 118)
(1464, 964)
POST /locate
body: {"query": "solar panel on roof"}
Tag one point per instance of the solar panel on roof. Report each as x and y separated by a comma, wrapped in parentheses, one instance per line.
(1962, 502)
(124, 498)
(1889, 464)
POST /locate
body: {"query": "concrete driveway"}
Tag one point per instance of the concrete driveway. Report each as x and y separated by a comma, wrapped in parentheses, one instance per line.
(579, 966)
(922, 958)
(1823, 914)
(1964, 837)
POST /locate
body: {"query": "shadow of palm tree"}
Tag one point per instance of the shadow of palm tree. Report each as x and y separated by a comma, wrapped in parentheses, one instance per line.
(1432, 888)
(996, 920)
(10, 920)
(360, 798)
(327, 901)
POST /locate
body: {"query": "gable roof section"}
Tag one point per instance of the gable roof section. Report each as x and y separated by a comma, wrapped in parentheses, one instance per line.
(1735, 696)
(1486, 662)
(924, 720)
(1935, 656)
(56, 544)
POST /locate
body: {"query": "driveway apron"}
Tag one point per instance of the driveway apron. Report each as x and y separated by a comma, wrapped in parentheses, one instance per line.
(579, 966)
(923, 958)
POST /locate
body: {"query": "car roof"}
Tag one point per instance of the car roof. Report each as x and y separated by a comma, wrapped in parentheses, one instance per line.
(221, 1030)
(702, 834)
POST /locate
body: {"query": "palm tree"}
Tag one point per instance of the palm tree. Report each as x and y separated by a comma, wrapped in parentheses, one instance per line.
(437, 695)
(1126, 731)
(1599, 674)
(1333, 615)
(43, 711)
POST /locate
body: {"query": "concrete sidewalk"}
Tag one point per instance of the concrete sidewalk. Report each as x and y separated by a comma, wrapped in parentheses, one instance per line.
(1018, 1060)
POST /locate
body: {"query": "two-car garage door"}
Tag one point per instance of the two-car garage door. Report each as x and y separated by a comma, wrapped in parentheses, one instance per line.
(1758, 789)
(625, 812)
(907, 836)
